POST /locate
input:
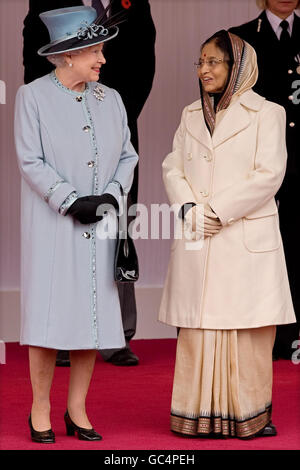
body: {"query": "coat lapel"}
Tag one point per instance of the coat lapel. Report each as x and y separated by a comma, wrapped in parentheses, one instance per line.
(296, 35)
(196, 125)
(236, 118)
(266, 32)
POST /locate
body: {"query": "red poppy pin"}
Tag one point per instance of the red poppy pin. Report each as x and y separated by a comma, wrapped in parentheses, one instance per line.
(126, 4)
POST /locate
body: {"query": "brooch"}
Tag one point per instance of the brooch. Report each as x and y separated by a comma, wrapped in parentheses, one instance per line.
(99, 93)
(89, 31)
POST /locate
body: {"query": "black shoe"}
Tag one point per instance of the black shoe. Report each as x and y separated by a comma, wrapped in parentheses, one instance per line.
(63, 359)
(268, 430)
(275, 356)
(82, 433)
(124, 357)
(287, 355)
(42, 437)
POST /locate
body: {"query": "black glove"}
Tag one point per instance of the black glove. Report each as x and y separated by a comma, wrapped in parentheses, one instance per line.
(185, 208)
(84, 208)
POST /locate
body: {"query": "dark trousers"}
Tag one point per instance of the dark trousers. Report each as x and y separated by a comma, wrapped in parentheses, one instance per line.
(126, 291)
(128, 311)
(287, 334)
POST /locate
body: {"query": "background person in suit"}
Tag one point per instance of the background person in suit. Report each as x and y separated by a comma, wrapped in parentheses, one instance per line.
(123, 73)
(275, 35)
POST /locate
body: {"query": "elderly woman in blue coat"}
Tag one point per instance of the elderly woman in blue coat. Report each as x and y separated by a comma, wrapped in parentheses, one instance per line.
(74, 154)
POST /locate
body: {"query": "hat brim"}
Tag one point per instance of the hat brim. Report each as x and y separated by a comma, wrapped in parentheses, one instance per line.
(75, 43)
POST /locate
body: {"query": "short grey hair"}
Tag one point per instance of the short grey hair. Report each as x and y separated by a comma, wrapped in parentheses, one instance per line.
(59, 60)
(263, 4)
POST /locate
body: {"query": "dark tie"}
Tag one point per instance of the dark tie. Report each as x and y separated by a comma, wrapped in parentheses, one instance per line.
(284, 37)
(98, 5)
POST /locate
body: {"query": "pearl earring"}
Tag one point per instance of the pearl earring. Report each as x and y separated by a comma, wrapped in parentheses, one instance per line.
(70, 64)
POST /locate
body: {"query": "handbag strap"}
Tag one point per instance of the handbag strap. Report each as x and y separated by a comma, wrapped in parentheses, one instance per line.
(122, 220)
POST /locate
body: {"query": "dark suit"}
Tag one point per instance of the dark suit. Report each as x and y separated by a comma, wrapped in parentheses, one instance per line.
(277, 72)
(129, 69)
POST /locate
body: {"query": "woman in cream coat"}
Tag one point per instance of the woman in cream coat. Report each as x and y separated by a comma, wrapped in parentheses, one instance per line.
(227, 284)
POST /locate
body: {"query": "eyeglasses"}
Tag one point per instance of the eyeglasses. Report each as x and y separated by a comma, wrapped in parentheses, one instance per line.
(212, 63)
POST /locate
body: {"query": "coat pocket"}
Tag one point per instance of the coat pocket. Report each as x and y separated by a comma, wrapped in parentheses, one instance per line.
(261, 234)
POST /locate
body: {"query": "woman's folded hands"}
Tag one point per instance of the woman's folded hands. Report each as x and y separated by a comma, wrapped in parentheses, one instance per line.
(84, 209)
(202, 222)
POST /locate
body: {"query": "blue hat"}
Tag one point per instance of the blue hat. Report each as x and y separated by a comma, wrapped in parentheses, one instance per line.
(75, 28)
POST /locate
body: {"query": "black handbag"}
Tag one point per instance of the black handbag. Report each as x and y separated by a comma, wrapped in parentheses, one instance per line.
(126, 268)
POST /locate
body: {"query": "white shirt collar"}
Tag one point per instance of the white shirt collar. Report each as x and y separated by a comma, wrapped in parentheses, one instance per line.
(275, 21)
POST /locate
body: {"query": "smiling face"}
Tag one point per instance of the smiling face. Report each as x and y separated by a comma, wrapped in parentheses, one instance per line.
(282, 8)
(214, 74)
(87, 64)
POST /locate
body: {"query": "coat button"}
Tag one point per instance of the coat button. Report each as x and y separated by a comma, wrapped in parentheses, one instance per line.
(207, 158)
(290, 71)
(292, 124)
(78, 98)
(86, 128)
(189, 156)
(204, 193)
(91, 164)
(230, 221)
(86, 235)
(291, 97)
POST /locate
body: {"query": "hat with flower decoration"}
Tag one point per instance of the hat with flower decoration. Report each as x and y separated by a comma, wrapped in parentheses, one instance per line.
(78, 27)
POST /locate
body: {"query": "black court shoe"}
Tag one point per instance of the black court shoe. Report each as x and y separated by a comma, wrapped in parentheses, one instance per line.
(82, 433)
(42, 437)
(268, 431)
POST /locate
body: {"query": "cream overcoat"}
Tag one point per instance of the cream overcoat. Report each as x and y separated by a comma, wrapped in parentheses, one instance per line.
(238, 279)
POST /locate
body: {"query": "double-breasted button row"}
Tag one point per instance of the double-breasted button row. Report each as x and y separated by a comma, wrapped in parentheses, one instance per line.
(207, 158)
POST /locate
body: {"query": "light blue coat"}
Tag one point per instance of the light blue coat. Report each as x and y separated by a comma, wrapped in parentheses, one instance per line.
(68, 141)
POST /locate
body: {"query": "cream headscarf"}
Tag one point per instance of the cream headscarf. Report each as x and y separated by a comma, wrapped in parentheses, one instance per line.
(243, 76)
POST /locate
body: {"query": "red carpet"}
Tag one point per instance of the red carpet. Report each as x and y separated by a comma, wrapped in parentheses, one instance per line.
(130, 406)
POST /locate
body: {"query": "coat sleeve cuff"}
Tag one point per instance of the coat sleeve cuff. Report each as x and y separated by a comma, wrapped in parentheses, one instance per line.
(68, 203)
(221, 213)
(116, 190)
(57, 194)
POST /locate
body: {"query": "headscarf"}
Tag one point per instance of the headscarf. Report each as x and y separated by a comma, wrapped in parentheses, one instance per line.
(242, 77)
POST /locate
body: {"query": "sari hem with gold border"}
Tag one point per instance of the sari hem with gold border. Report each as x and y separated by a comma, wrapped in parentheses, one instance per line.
(223, 382)
(221, 425)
